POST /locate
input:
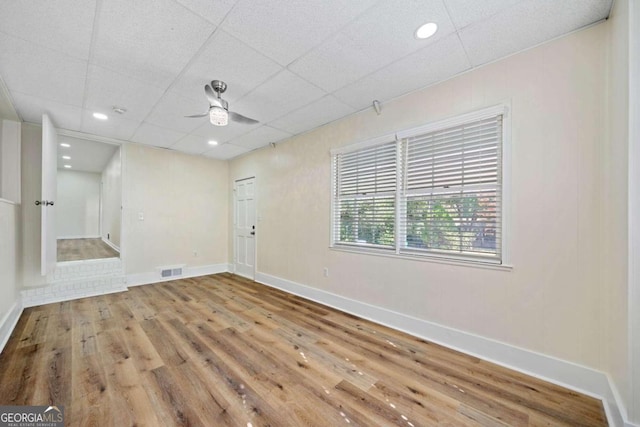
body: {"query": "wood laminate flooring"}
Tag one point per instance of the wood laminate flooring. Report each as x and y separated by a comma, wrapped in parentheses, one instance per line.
(225, 351)
(79, 249)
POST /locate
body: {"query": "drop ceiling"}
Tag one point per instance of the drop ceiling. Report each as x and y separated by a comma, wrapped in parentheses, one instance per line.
(291, 64)
(84, 155)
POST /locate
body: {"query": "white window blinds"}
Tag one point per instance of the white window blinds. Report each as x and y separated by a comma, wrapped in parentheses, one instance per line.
(364, 196)
(435, 192)
(452, 190)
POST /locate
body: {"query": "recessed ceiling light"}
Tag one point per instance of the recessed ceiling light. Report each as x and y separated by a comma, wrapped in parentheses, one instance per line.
(66, 157)
(100, 116)
(67, 166)
(212, 142)
(64, 144)
(427, 30)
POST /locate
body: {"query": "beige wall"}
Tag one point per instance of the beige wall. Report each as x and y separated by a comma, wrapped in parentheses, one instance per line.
(615, 175)
(183, 200)
(550, 301)
(10, 234)
(112, 199)
(78, 204)
(9, 256)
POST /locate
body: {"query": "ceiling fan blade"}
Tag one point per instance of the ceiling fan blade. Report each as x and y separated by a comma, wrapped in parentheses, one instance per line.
(241, 119)
(211, 96)
(198, 115)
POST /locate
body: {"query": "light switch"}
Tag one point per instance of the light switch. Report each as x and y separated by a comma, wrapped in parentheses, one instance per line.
(140, 216)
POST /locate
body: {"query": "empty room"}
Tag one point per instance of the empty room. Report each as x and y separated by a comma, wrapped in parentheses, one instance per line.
(320, 213)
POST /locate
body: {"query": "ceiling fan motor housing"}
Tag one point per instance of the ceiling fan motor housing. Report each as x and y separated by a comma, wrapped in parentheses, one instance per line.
(218, 86)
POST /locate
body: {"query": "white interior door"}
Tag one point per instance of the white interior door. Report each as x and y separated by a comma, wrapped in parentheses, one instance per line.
(48, 245)
(245, 227)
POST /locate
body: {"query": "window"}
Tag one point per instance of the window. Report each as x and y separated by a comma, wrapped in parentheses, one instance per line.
(366, 196)
(431, 191)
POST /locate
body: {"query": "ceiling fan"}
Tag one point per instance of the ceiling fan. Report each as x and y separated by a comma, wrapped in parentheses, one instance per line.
(219, 113)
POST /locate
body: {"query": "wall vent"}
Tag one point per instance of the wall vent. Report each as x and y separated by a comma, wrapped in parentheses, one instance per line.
(171, 271)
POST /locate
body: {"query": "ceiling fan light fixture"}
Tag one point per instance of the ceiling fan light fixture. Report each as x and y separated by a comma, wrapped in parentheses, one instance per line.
(426, 30)
(218, 116)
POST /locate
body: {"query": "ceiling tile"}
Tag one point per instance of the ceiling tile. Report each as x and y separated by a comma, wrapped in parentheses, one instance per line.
(285, 30)
(151, 40)
(226, 151)
(31, 69)
(115, 127)
(49, 23)
(365, 46)
(212, 10)
(154, 135)
(192, 144)
(527, 24)
(223, 133)
(275, 98)
(172, 109)
(435, 62)
(230, 60)
(106, 89)
(313, 115)
(260, 137)
(32, 108)
(465, 12)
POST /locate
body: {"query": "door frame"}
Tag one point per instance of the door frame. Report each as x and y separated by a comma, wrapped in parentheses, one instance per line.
(233, 224)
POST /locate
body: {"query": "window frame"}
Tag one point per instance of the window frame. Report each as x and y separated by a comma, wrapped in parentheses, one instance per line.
(501, 262)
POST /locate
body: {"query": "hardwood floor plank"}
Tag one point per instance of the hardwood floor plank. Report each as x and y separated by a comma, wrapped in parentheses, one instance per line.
(79, 249)
(226, 351)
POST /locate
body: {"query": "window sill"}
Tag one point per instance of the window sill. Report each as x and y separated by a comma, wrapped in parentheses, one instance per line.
(424, 258)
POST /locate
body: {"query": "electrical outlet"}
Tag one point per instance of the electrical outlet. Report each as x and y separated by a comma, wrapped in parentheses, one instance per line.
(140, 216)
(195, 253)
(326, 272)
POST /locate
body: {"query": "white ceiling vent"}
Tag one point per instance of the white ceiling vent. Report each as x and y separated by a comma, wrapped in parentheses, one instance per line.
(171, 271)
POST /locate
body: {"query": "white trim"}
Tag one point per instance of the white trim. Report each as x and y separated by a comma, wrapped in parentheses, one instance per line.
(391, 137)
(633, 256)
(456, 120)
(77, 237)
(110, 244)
(139, 279)
(8, 202)
(91, 137)
(506, 184)
(423, 257)
(561, 372)
(9, 322)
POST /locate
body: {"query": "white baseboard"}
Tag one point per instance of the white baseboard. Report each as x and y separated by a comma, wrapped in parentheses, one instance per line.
(78, 237)
(9, 322)
(557, 371)
(111, 244)
(139, 279)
